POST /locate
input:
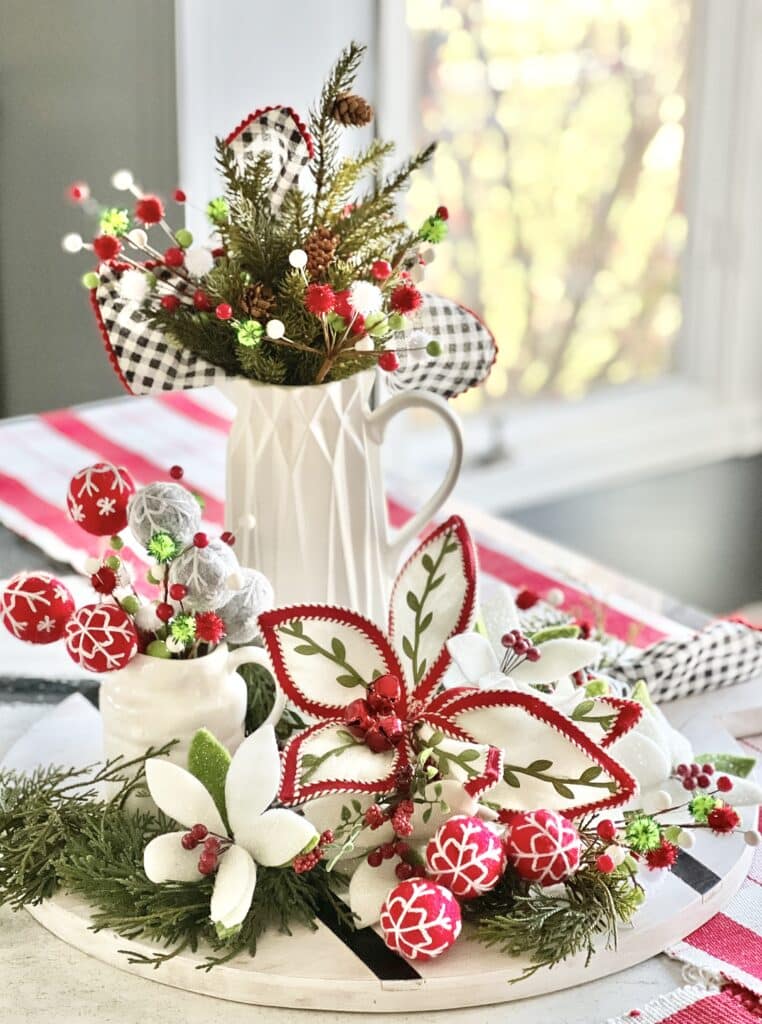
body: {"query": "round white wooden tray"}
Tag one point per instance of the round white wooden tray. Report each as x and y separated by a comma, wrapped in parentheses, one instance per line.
(318, 970)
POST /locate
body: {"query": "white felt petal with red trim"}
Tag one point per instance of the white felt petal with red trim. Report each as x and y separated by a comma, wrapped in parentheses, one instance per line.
(433, 599)
(548, 762)
(277, 836)
(325, 657)
(181, 796)
(165, 859)
(252, 779)
(233, 888)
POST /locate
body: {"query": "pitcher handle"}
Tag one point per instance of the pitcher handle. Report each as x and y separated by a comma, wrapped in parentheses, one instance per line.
(377, 423)
(250, 655)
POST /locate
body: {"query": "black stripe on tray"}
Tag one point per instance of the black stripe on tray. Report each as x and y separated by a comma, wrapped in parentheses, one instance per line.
(695, 874)
(369, 947)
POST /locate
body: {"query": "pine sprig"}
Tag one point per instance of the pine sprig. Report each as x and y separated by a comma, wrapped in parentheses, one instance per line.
(349, 173)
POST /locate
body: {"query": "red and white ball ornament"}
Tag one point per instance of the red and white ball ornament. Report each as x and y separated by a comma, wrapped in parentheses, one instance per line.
(101, 637)
(543, 846)
(420, 919)
(35, 607)
(466, 856)
(98, 496)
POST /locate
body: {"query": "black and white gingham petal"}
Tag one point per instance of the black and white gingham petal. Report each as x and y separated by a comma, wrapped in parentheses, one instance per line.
(275, 132)
(468, 350)
(721, 655)
(147, 360)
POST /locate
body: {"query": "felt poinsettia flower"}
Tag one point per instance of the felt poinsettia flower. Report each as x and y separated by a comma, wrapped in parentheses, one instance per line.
(224, 802)
(376, 697)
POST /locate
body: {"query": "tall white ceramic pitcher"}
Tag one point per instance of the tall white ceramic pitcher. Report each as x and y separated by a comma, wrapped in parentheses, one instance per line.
(305, 494)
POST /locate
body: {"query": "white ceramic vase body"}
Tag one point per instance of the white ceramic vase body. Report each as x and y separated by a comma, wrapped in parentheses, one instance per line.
(154, 700)
(305, 493)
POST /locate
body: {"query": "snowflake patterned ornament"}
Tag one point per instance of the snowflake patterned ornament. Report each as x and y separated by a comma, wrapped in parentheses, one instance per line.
(98, 496)
(35, 607)
(378, 701)
(101, 637)
(466, 856)
(543, 846)
(420, 919)
(224, 802)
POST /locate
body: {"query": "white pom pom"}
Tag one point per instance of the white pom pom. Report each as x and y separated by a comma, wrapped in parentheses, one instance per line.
(133, 286)
(92, 565)
(174, 646)
(555, 596)
(752, 837)
(617, 853)
(146, 618)
(138, 238)
(298, 259)
(199, 261)
(122, 180)
(685, 840)
(365, 344)
(275, 329)
(72, 242)
(663, 800)
(365, 297)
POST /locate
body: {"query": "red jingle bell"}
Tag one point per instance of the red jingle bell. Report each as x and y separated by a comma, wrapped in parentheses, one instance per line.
(386, 732)
(357, 717)
(384, 693)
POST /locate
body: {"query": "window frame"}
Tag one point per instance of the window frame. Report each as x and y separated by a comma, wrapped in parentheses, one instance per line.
(709, 407)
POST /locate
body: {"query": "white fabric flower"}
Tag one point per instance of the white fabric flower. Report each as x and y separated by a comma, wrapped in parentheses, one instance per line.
(256, 835)
(365, 297)
(198, 261)
(133, 285)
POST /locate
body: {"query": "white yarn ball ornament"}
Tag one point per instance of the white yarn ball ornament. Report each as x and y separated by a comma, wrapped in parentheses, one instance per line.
(198, 261)
(205, 571)
(133, 285)
(243, 608)
(72, 242)
(122, 180)
(164, 508)
(298, 259)
(365, 297)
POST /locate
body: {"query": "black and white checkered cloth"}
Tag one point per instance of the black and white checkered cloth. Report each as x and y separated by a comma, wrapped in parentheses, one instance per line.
(468, 350)
(721, 655)
(278, 132)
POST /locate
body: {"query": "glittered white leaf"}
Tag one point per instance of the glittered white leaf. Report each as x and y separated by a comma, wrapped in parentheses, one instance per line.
(166, 860)
(276, 837)
(252, 779)
(233, 888)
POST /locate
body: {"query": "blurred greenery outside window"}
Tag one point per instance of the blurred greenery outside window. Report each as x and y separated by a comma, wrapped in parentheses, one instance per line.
(562, 135)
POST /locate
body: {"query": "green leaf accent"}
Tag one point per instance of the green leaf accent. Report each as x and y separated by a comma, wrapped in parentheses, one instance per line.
(469, 755)
(542, 636)
(209, 761)
(510, 779)
(407, 647)
(426, 622)
(339, 650)
(582, 709)
(589, 774)
(428, 563)
(306, 649)
(539, 766)
(733, 764)
(436, 738)
(563, 790)
(412, 601)
(348, 681)
(640, 694)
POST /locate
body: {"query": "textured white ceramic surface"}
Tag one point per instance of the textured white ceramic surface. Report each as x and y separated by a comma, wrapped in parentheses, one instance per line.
(305, 494)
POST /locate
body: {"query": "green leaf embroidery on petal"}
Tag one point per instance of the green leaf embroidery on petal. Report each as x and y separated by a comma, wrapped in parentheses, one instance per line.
(426, 622)
(412, 601)
(539, 766)
(563, 790)
(407, 647)
(582, 709)
(348, 681)
(338, 649)
(510, 779)
(209, 761)
(428, 563)
(589, 774)
(305, 649)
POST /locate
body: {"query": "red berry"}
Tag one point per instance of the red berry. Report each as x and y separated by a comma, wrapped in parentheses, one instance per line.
(201, 301)
(200, 540)
(508, 639)
(381, 270)
(149, 209)
(174, 257)
(724, 784)
(695, 769)
(707, 769)
(526, 599)
(533, 654)
(606, 829)
(104, 581)
(164, 611)
(682, 769)
(374, 858)
(188, 841)
(106, 247)
(224, 311)
(212, 844)
(703, 781)
(388, 361)
(327, 837)
(401, 848)
(79, 191)
(199, 832)
(605, 864)
(443, 213)
(207, 863)
(170, 302)
(386, 850)
(178, 591)
(404, 871)
(407, 806)
(689, 782)
(228, 538)
(374, 816)
(179, 196)
(177, 472)
(521, 646)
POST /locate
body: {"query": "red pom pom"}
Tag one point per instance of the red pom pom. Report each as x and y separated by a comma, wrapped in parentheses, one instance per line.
(104, 580)
(98, 496)
(164, 611)
(420, 920)
(170, 302)
(388, 361)
(200, 540)
(176, 472)
(543, 846)
(606, 830)
(466, 857)
(443, 213)
(381, 270)
(723, 819)
(358, 326)
(228, 538)
(224, 311)
(605, 864)
(174, 257)
(106, 247)
(101, 637)
(664, 856)
(724, 784)
(405, 298)
(149, 209)
(526, 599)
(35, 607)
(179, 196)
(79, 191)
(319, 298)
(343, 305)
(201, 301)
(209, 627)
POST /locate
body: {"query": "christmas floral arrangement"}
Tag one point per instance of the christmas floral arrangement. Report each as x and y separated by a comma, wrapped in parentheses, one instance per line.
(197, 593)
(457, 773)
(296, 284)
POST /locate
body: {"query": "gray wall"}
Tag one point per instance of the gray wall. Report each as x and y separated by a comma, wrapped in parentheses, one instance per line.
(85, 88)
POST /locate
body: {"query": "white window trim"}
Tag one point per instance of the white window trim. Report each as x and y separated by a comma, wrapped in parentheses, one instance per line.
(710, 408)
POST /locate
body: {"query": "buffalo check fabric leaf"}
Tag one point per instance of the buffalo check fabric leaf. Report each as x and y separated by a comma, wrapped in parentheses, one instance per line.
(723, 654)
(278, 132)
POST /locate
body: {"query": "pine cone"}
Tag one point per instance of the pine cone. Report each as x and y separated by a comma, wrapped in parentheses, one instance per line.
(320, 247)
(349, 109)
(258, 301)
